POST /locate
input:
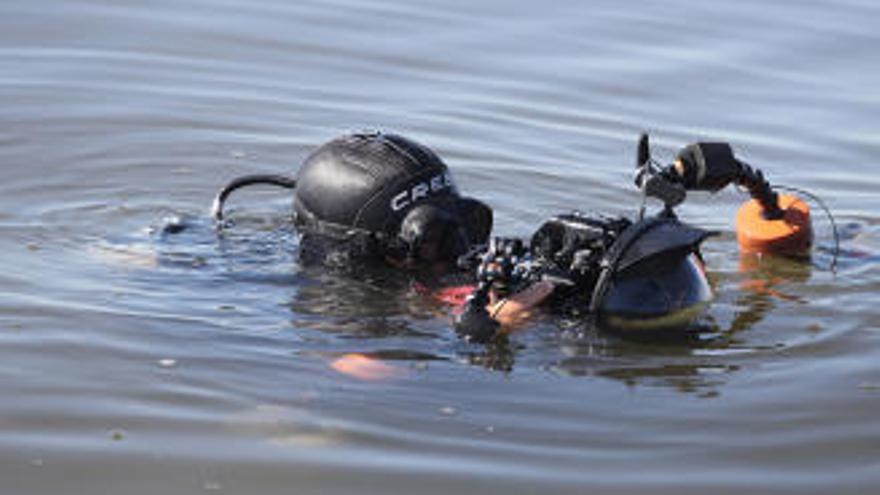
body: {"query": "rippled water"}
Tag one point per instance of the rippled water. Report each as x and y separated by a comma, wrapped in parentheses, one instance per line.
(133, 361)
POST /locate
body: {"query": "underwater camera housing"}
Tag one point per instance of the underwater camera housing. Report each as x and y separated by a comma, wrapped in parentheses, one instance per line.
(635, 276)
(632, 277)
(646, 276)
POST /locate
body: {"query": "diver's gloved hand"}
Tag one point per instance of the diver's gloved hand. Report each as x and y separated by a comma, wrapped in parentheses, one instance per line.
(707, 166)
(475, 324)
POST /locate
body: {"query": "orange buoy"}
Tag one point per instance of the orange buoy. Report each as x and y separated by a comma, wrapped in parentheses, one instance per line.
(790, 235)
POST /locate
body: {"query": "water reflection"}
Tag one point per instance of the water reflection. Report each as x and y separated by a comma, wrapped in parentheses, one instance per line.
(375, 305)
(672, 362)
(697, 361)
(766, 280)
(499, 355)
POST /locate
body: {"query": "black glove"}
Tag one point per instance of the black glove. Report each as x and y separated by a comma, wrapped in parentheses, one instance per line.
(475, 324)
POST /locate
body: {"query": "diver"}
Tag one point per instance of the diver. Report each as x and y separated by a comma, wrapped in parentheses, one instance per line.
(374, 201)
(381, 199)
(374, 197)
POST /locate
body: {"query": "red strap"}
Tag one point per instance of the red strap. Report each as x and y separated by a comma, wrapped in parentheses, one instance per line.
(455, 295)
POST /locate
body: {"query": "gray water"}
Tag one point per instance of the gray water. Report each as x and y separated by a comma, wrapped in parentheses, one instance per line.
(133, 362)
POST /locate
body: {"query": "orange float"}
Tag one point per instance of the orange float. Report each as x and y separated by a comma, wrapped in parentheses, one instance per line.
(792, 234)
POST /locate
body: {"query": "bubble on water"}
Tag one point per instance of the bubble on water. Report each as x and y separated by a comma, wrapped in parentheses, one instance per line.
(212, 486)
(285, 426)
(168, 363)
(448, 411)
(137, 255)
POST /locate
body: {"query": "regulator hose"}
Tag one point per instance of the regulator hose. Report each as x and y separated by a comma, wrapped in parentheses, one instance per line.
(248, 180)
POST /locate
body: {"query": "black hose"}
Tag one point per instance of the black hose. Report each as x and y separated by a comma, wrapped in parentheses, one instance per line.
(761, 190)
(836, 253)
(248, 180)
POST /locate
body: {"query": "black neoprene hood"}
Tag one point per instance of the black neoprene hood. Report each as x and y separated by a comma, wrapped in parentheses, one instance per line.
(369, 182)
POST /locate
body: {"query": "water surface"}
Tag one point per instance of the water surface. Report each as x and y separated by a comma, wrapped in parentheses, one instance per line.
(136, 362)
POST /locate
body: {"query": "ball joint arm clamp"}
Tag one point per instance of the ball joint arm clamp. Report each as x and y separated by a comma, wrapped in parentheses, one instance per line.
(712, 167)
